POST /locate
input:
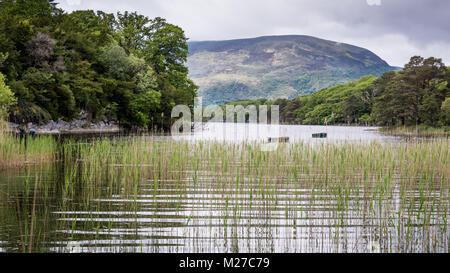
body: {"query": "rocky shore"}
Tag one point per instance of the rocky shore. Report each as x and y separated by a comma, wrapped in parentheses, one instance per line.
(73, 127)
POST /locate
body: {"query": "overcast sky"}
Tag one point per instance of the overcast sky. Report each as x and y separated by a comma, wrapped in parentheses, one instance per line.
(395, 30)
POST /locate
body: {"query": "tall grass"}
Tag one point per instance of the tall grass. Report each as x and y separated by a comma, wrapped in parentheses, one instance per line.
(17, 152)
(400, 191)
(322, 196)
(417, 131)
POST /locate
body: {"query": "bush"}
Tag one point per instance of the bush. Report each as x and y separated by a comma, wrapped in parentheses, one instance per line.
(445, 114)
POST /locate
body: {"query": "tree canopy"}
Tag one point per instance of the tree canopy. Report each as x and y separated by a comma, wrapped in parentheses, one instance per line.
(123, 66)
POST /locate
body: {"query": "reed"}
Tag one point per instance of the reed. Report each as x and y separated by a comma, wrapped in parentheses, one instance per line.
(393, 197)
(417, 131)
(16, 152)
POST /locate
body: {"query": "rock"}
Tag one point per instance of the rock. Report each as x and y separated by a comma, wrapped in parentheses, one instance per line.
(12, 126)
(78, 125)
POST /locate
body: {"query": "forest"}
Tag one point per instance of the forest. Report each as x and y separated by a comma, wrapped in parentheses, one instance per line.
(417, 95)
(122, 67)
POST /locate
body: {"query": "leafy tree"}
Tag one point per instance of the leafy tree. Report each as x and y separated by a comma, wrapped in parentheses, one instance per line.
(66, 101)
(7, 98)
(143, 106)
(30, 8)
(167, 48)
(352, 108)
(382, 98)
(87, 91)
(15, 32)
(445, 115)
(42, 85)
(41, 53)
(121, 66)
(133, 31)
(432, 101)
(417, 80)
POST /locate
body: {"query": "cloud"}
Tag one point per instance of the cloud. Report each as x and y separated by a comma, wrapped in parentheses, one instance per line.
(374, 2)
(73, 2)
(392, 29)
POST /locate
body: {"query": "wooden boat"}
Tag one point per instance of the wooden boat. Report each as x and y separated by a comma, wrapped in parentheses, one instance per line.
(320, 135)
(278, 139)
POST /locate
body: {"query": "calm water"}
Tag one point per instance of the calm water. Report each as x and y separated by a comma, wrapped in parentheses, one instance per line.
(239, 132)
(296, 217)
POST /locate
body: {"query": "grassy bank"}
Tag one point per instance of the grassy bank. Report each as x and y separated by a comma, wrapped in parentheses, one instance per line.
(417, 131)
(16, 152)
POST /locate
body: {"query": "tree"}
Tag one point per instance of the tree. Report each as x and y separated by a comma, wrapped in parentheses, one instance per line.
(445, 114)
(87, 91)
(382, 114)
(40, 49)
(133, 31)
(167, 48)
(15, 31)
(123, 66)
(352, 108)
(119, 64)
(42, 85)
(97, 28)
(429, 109)
(7, 98)
(143, 106)
(30, 8)
(412, 96)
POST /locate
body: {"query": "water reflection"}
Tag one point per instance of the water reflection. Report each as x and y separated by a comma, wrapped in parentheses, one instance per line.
(194, 211)
(205, 219)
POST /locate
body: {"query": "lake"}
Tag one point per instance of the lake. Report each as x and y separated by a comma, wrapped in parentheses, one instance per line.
(218, 190)
(238, 132)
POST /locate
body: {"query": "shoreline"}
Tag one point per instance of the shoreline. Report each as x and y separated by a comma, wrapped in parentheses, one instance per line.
(62, 127)
(416, 132)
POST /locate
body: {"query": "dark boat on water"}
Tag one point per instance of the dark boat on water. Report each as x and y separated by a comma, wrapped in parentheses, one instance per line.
(320, 135)
(278, 139)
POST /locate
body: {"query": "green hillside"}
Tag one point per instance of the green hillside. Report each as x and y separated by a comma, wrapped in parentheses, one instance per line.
(276, 67)
(419, 94)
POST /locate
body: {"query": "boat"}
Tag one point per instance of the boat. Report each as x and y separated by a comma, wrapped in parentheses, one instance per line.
(278, 139)
(320, 135)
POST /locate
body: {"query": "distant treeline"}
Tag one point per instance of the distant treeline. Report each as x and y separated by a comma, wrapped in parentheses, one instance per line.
(417, 95)
(124, 67)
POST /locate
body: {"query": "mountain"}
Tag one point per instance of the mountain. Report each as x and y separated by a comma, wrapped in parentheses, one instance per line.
(276, 67)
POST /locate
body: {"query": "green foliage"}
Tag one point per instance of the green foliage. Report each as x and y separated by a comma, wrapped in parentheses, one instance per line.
(168, 47)
(7, 98)
(123, 66)
(30, 8)
(117, 63)
(133, 31)
(445, 114)
(417, 95)
(344, 103)
(412, 96)
(142, 106)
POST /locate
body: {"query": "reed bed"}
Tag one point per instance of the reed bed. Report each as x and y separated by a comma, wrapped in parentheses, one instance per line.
(418, 131)
(16, 152)
(152, 194)
(396, 196)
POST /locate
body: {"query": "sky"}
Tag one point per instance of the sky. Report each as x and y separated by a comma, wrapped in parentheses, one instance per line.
(395, 30)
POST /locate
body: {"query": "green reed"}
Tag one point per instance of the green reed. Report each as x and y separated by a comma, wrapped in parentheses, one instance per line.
(17, 152)
(399, 192)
